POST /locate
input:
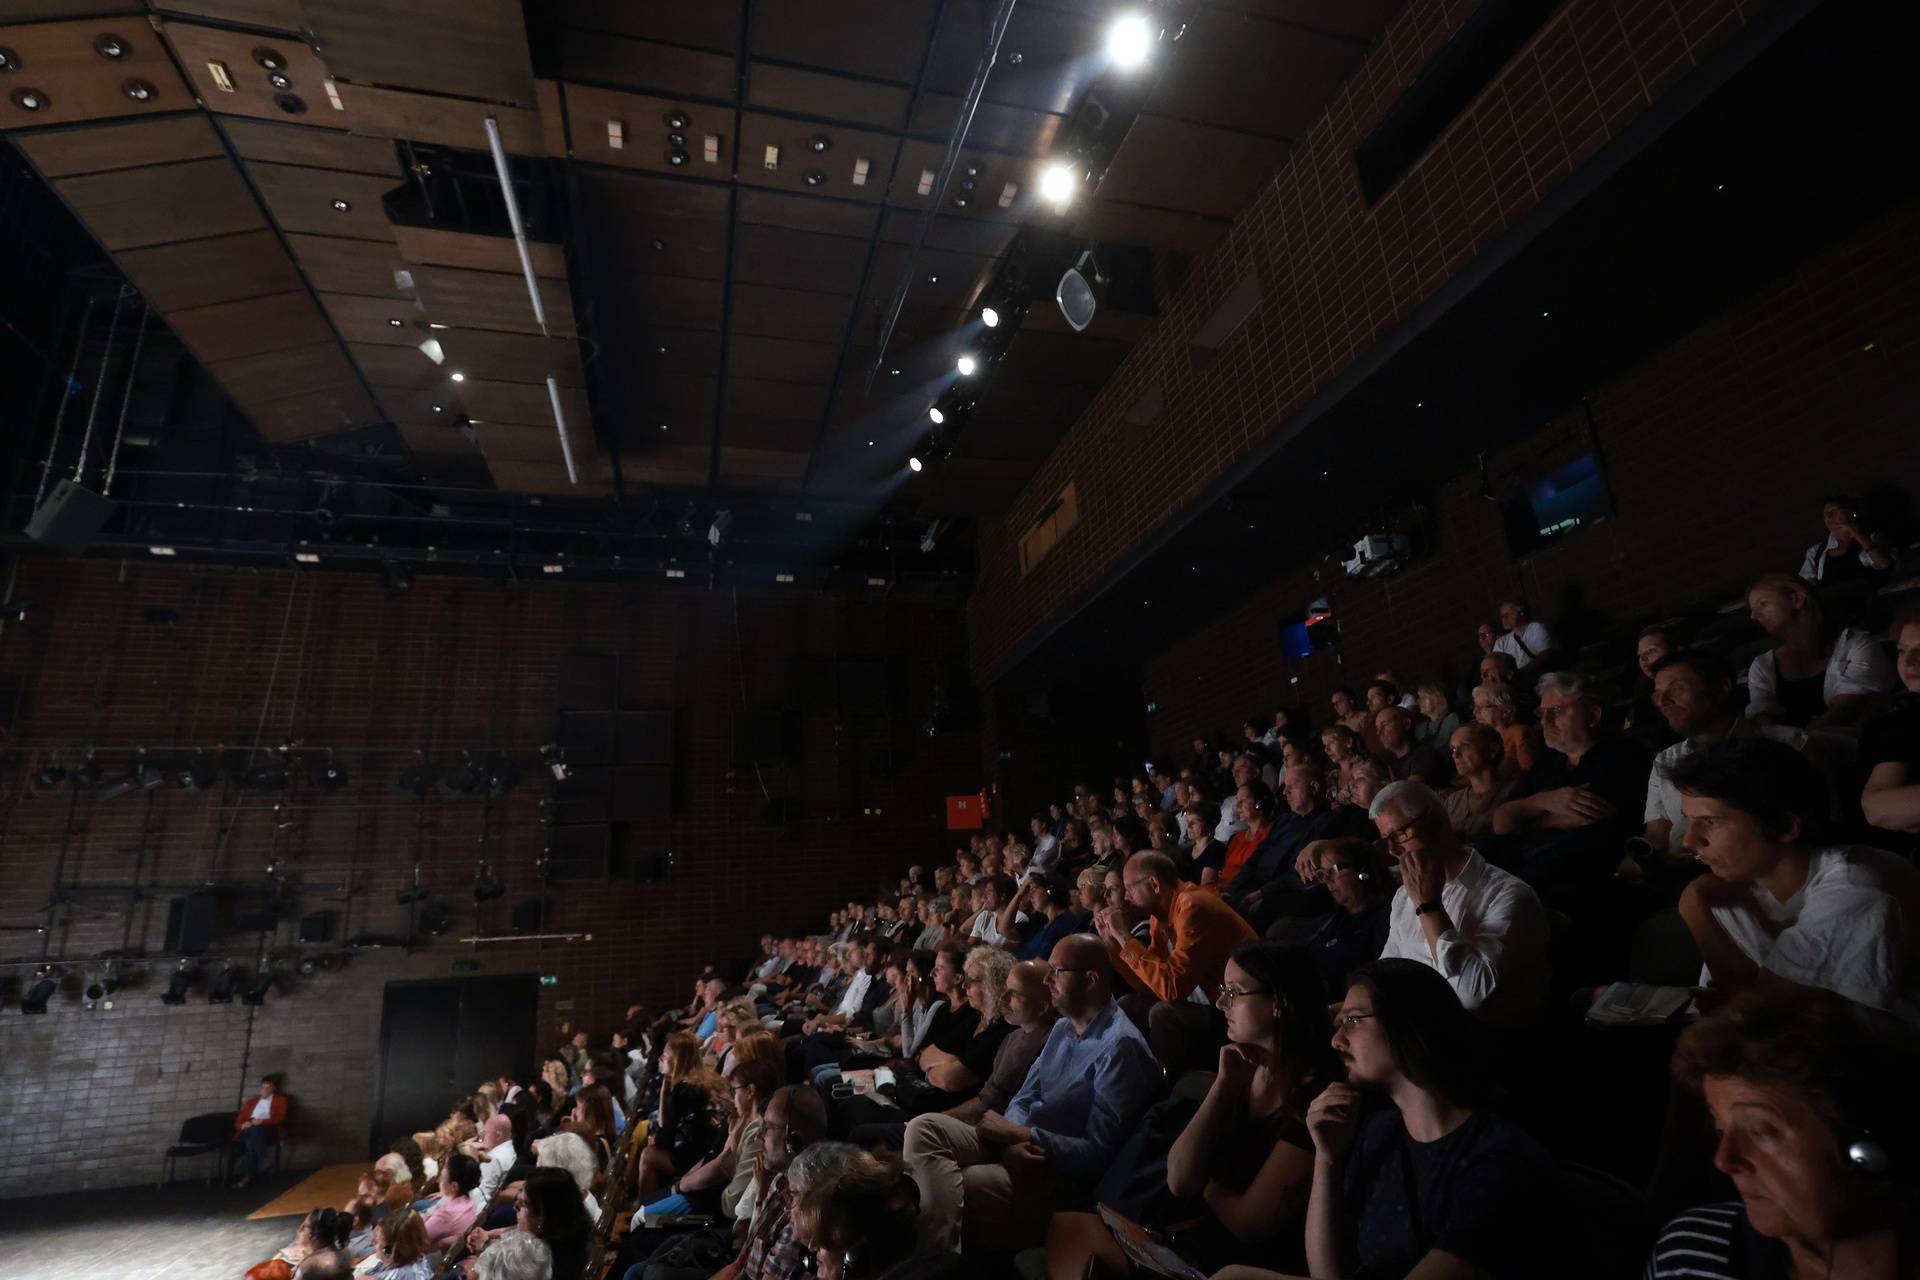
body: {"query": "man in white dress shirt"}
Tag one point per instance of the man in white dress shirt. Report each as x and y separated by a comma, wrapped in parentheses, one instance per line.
(1482, 929)
(497, 1138)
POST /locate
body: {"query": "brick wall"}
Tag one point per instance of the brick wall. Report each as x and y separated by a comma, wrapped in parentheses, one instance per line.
(332, 660)
(1719, 450)
(1335, 274)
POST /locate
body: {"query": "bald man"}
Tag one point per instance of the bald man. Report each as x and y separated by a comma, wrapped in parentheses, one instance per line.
(1084, 1094)
(496, 1139)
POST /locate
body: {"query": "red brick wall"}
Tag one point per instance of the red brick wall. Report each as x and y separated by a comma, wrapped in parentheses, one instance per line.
(95, 1096)
(1335, 274)
(1718, 451)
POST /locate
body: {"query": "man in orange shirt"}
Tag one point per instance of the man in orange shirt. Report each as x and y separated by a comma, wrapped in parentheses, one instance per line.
(1181, 966)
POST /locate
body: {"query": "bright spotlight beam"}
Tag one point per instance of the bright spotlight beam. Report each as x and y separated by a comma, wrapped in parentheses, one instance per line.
(989, 317)
(1057, 183)
(915, 464)
(1129, 40)
(937, 416)
(967, 365)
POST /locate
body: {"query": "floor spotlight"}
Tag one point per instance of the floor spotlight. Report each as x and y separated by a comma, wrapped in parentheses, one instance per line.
(966, 365)
(46, 981)
(989, 317)
(179, 984)
(1129, 40)
(1057, 183)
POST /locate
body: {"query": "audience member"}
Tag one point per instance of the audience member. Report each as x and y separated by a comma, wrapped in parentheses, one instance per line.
(855, 1212)
(1084, 1094)
(1355, 933)
(1848, 553)
(1480, 928)
(1527, 642)
(518, 1256)
(1781, 907)
(256, 1129)
(1818, 675)
(1405, 757)
(1349, 711)
(1890, 743)
(1180, 967)
(454, 1215)
(796, 1119)
(1497, 706)
(1438, 719)
(498, 1156)
(1270, 887)
(1644, 720)
(1477, 752)
(1254, 807)
(1813, 1127)
(402, 1248)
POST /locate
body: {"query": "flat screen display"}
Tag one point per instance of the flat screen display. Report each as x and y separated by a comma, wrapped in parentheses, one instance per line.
(1309, 631)
(1562, 502)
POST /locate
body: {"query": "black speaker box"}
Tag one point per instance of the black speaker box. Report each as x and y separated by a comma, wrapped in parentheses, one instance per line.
(645, 737)
(191, 922)
(641, 791)
(582, 797)
(587, 736)
(69, 518)
(529, 915)
(587, 681)
(582, 852)
(316, 926)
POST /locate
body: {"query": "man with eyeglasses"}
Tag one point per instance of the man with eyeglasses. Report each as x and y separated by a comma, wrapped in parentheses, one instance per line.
(1481, 928)
(1084, 1095)
(795, 1119)
(1573, 811)
(1180, 966)
(1269, 887)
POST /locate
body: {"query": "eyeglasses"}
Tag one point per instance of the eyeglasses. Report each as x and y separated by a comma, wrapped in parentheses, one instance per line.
(1348, 1021)
(1229, 994)
(1399, 835)
(1067, 968)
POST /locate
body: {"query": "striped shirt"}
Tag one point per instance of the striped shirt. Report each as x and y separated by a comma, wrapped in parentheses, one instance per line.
(1712, 1242)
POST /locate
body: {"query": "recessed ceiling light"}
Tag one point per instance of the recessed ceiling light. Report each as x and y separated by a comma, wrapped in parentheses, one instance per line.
(396, 322)
(933, 279)
(9, 60)
(815, 177)
(432, 325)
(436, 408)
(894, 372)
(279, 80)
(677, 159)
(138, 90)
(269, 59)
(869, 444)
(306, 557)
(660, 351)
(110, 46)
(1057, 182)
(458, 376)
(1129, 40)
(966, 365)
(678, 120)
(341, 206)
(819, 144)
(30, 99)
(658, 245)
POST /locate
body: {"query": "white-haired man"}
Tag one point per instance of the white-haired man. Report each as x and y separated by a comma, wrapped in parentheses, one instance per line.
(1482, 929)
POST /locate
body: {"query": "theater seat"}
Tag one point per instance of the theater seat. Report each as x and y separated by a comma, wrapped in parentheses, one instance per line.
(206, 1134)
(1663, 953)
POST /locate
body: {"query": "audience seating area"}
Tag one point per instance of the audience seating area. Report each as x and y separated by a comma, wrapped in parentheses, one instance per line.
(1607, 965)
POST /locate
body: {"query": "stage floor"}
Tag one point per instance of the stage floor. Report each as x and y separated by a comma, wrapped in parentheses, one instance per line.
(187, 1231)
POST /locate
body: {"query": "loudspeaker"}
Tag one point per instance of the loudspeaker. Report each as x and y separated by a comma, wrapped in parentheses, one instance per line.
(528, 915)
(587, 681)
(587, 736)
(582, 797)
(317, 927)
(766, 734)
(69, 518)
(580, 853)
(645, 737)
(641, 791)
(252, 913)
(190, 923)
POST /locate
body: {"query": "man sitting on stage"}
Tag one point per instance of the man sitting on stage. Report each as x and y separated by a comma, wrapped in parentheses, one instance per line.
(257, 1128)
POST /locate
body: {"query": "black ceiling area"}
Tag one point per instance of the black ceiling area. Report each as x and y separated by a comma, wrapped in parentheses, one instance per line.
(264, 289)
(1795, 140)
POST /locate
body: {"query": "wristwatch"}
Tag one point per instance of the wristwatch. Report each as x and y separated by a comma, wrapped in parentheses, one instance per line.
(1423, 908)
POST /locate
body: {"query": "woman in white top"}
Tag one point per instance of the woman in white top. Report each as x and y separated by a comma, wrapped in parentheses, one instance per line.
(1779, 908)
(1816, 676)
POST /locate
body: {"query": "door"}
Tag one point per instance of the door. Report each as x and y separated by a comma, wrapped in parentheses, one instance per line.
(441, 1039)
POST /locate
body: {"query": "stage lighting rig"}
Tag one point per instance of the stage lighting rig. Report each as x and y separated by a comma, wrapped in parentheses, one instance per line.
(179, 984)
(46, 981)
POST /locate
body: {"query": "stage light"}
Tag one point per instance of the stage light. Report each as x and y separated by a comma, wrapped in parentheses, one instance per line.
(147, 775)
(486, 885)
(117, 787)
(50, 777)
(914, 464)
(503, 775)
(1129, 40)
(99, 991)
(937, 416)
(722, 521)
(417, 779)
(966, 365)
(86, 775)
(257, 990)
(989, 317)
(179, 984)
(199, 775)
(1057, 183)
(46, 981)
(309, 966)
(326, 776)
(222, 988)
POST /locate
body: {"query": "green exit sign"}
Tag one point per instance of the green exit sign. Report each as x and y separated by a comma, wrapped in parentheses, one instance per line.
(466, 966)
(549, 980)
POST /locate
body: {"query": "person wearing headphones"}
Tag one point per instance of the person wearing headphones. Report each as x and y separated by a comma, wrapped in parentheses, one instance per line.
(1812, 1127)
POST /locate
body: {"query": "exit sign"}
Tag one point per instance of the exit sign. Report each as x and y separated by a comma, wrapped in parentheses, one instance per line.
(549, 980)
(466, 966)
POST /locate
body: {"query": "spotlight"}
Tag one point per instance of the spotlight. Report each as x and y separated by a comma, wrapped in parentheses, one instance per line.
(556, 762)
(326, 776)
(199, 775)
(416, 892)
(966, 365)
(989, 317)
(914, 464)
(117, 787)
(435, 919)
(937, 416)
(147, 775)
(99, 991)
(432, 350)
(86, 775)
(46, 981)
(179, 984)
(50, 777)
(15, 610)
(458, 376)
(503, 775)
(1057, 183)
(1129, 40)
(486, 885)
(268, 777)
(222, 988)
(256, 991)
(309, 966)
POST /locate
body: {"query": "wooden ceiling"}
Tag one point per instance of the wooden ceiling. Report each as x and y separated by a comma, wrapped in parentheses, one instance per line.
(711, 321)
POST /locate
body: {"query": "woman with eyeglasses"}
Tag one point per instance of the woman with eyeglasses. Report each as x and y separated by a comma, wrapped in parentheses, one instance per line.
(1356, 877)
(1245, 1157)
(1477, 752)
(1430, 1183)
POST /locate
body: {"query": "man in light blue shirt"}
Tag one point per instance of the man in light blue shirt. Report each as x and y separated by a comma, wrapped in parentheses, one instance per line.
(1084, 1094)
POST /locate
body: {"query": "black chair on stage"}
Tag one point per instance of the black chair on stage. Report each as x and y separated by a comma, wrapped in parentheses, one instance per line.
(209, 1134)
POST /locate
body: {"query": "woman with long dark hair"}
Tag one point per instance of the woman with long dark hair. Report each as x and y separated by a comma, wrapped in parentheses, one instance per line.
(1246, 1155)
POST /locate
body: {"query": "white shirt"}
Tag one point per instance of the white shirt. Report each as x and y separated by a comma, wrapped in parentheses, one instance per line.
(1495, 956)
(856, 992)
(492, 1170)
(986, 927)
(1663, 798)
(262, 1110)
(1850, 930)
(1229, 820)
(1858, 664)
(1814, 567)
(1524, 645)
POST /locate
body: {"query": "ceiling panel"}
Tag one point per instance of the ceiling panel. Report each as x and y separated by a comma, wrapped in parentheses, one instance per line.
(198, 273)
(799, 156)
(522, 402)
(240, 55)
(671, 301)
(798, 260)
(788, 313)
(765, 468)
(816, 93)
(1243, 72)
(980, 179)
(276, 15)
(1357, 19)
(451, 122)
(435, 439)
(540, 477)
(362, 319)
(472, 48)
(807, 213)
(647, 66)
(880, 39)
(514, 357)
(643, 130)
(1174, 164)
(396, 366)
(304, 200)
(1057, 59)
(1116, 223)
(334, 265)
(319, 411)
(435, 247)
(300, 144)
(951, 234)
(783, 359)
(749, 431)
(620, 217)
(492, 300)
(187, 201)
(70, 79)
(711, 24)
(282, 374)
(685, 464)
(509, 442)
(764, 398)
(62, 153)
(996, 127)
(677, 398)
(228, 330)
(419, 404)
